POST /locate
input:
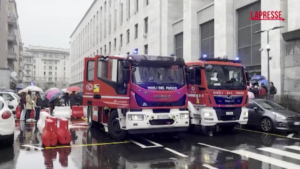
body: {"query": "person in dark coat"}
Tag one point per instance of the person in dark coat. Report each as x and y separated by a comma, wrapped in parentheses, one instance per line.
(73, 99)
(66, 99)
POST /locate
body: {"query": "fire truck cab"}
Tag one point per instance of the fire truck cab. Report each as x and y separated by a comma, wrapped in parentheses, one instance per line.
(136, 94)
(218, 93)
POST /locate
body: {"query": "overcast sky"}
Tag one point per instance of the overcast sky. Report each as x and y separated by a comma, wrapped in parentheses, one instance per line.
(50, 23)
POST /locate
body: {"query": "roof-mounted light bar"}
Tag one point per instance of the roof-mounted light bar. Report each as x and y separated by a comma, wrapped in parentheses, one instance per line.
(219, 59)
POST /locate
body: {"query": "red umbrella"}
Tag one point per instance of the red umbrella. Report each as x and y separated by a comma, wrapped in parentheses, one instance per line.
(74, 88)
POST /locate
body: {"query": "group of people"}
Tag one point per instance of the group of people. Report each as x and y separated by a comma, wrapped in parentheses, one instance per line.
(33, 101)
(29, 102)
(261, 91)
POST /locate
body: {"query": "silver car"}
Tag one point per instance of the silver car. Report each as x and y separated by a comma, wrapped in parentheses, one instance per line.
(270, 116)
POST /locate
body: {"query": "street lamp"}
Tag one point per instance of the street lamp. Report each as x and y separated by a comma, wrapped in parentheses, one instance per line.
(268, 51)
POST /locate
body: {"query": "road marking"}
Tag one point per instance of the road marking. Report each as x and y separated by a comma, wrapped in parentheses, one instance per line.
(86, 145)
(209, 166)
(156, 144)
(267, 159)
(271, 134)
(293, 147)
(280, 152)
(176, 152)
(31, 146)
(260, 157)
(290, 135)
(144, 146)
(219, 148)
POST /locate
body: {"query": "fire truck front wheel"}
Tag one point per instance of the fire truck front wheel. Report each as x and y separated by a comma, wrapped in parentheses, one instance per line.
(114, 128)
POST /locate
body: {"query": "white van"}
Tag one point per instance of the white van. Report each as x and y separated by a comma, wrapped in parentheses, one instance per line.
(11, 99)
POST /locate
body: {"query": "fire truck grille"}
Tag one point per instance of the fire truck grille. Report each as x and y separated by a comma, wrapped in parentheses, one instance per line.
(143, 103)
(161, 122)
(222, 115)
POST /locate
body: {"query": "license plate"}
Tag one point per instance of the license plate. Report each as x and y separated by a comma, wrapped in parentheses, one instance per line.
(229, 113)
(163, 116)
(296, 123)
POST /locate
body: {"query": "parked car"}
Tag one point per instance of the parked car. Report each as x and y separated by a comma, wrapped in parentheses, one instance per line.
(11, 99)
(7, 124)
(270, 116)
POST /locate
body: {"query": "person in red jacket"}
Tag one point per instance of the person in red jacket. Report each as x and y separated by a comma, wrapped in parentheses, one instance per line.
(262, 92)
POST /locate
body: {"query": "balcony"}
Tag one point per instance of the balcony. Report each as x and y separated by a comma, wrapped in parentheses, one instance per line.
(21, 46)
(27, 75)
(12, 55)
(12, 19)
(11, 37)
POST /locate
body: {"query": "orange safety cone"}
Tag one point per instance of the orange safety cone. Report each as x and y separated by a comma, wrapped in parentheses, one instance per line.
(18, 112)
(54, 119)
(63, 133)
(49, 137)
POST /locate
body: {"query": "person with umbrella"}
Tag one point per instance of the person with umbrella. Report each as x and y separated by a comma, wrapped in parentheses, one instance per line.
(66, 99)
(73, 99)
(38, 102)
(29, 106)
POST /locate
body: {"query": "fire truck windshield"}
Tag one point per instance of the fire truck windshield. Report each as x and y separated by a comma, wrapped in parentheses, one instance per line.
(158, 77)
(225, 77)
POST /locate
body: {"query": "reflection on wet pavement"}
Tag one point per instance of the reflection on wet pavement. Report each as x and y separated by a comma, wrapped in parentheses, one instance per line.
(92, 148)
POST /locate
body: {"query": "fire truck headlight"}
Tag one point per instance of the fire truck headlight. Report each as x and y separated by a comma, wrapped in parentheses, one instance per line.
(208, 114)
(246, 114)
(135, 117)
(184, 116)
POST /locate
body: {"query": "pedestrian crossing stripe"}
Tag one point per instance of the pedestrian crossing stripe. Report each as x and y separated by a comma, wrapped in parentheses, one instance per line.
(290, 157)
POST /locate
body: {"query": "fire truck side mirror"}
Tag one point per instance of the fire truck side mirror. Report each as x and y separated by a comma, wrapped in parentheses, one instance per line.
(126, 64)
(126, 75)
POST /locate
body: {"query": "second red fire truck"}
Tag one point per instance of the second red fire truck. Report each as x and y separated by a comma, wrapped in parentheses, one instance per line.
(218, 93)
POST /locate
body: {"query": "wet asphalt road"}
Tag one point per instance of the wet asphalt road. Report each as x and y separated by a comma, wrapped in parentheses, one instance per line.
(92, 148)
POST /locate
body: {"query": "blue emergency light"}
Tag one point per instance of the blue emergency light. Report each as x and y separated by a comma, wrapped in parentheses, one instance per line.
(135, 51)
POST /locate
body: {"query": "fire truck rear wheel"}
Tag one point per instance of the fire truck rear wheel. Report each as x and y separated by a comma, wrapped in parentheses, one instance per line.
(114, 128)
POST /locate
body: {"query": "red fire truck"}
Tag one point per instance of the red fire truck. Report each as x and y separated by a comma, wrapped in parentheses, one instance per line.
(136, 94)
(218, 93)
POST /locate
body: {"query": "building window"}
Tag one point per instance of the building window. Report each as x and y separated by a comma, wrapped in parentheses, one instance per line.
(104, 49)
(121, 40)
(55, 68)
(121, 14)
(146, 24)
(146, 49)
(179, 45)
(109, 24)
(248, 42)
(128, 9)
(207, 39)
(50, 73)
(100, 51)
(147, 2)
(128, 36)
(109, 47)
(136, 5)
(115, 44)
(136, 34)
(50, 67)
(115, 20)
